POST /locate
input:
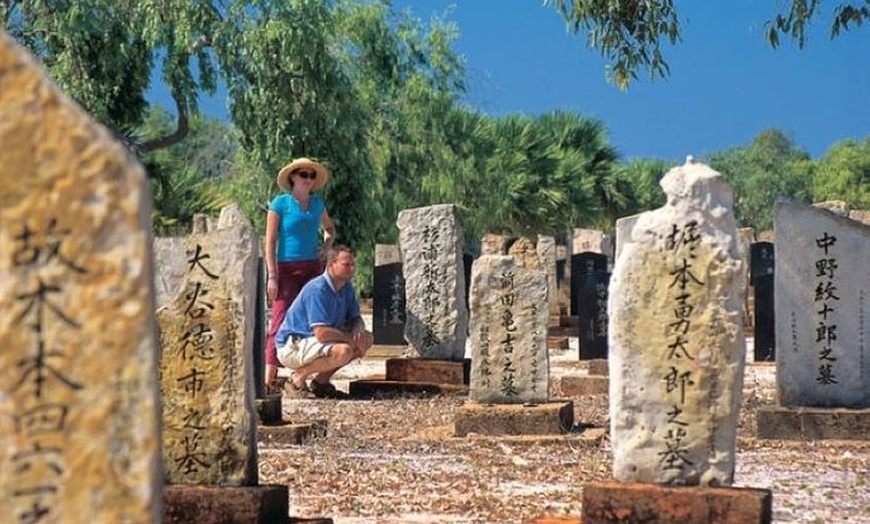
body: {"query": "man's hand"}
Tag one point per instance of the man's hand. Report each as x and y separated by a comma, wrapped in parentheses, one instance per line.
(362, 341)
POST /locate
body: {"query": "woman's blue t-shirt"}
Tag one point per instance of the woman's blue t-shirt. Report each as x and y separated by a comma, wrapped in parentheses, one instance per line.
(298, 230)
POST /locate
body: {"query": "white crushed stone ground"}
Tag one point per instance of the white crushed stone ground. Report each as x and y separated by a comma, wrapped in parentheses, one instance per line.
(396, 461)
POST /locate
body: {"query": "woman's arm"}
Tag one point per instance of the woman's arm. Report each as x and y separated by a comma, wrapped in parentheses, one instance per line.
(328, 229)
(272, 221)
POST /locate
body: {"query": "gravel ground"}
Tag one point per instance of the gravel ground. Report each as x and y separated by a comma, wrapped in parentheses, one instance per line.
(397, 461)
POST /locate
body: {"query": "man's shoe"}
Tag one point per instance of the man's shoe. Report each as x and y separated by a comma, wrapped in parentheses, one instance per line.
(327, 391)
(294, 391)
(276, 386)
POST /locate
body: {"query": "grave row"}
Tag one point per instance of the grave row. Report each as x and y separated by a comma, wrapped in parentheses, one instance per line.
(127, 395)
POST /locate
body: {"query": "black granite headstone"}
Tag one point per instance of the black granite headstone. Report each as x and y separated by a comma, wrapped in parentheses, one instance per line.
(589, 281)
(388, 305)
(761, 269)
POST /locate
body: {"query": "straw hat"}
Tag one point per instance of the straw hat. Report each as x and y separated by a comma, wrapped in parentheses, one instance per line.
(303, 163)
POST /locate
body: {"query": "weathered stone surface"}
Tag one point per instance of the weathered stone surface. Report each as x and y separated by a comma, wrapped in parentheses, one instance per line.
(617, 503)
(821, 290)
(676, 341)
(838, 207)
(526, 253)
(207, 381)
(225, 504)
(582, 385)
(547, 418)
(436, 322)
(860, 215)
(598, 366)
(546, 248)
(79, 415)
(509, 358)
(428, 370)
(591, 240)
(624, 226)
(781, 423)
(492, 244)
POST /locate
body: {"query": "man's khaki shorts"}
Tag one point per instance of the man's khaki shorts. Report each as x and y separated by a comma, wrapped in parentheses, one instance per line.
(300, 351)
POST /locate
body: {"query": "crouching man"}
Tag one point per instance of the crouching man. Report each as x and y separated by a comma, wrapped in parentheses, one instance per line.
(323, 330)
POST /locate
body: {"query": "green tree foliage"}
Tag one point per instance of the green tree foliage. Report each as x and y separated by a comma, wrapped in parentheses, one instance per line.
(185, 177)
(844, 174)
(630, 33)
(548, 171)
(643, 175)
(771, 167)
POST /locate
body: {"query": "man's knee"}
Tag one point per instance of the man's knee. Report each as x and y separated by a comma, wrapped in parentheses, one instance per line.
(342, 352)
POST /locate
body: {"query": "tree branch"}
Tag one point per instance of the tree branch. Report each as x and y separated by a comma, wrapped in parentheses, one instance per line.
(176, 136)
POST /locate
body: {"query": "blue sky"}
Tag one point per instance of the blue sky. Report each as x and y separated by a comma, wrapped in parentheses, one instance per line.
(726, 84)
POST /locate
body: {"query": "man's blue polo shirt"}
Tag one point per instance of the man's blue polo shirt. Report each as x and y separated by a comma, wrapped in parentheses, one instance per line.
(318, 304)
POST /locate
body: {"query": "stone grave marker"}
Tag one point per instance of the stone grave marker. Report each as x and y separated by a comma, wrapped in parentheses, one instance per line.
(546, 249)
(860, 215)
(821, 288)
(492, 244)
(388, 293)
(209, 422)
(510, 363)
(526, 253)
(676, 339)
(79, 411)
(761, 276)
(436, 320)
(591, 240)
(509, 392)
(586, 271)
(592, 281)
(624, 226)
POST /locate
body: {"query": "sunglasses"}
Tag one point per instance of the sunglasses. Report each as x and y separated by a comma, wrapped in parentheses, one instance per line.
(310, 175)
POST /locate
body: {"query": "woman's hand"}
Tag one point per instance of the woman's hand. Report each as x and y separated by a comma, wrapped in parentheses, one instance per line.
(272, 289)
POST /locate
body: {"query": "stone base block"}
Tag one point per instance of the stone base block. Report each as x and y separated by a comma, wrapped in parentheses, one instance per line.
(269, 410)
(597, 366)
(809, 423)
(556, 519)
(560, 342)
(226, 504)
(579, 385)
(393, 388)
(636, 503)
(291, 434)
(429, 370)
(386, 351)
(550, 418)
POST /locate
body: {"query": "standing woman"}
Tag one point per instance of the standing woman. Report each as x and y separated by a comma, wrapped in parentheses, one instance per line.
(293, 225)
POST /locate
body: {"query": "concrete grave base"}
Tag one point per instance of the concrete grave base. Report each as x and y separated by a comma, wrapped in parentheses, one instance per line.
(810, 423)
(385, 351)
(269, 410)
(579, 385)
(554, 417)
(635, 503)
(429, 370)
(392, 388)
(291, 434)
(597, 366)
(184, 504)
